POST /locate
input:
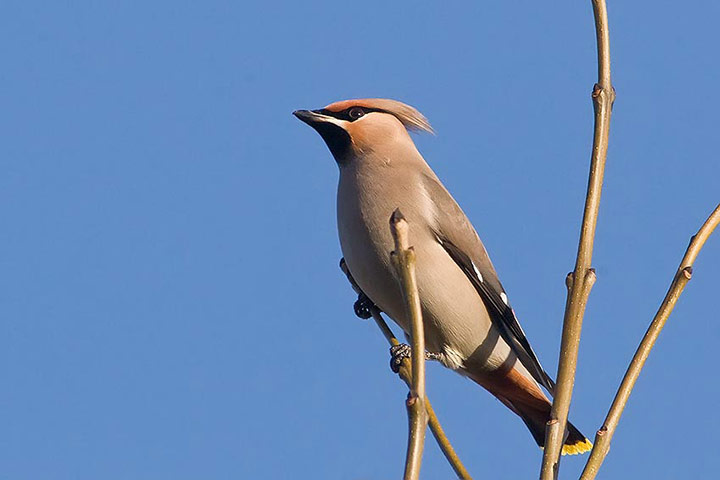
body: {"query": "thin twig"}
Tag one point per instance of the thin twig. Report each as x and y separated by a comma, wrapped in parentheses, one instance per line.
(682, 277)
(444, 443)
(404, 261)
(583, 275)
(405, 373)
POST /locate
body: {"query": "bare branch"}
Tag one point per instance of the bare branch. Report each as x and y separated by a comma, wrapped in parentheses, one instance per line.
(444, 444)
(681, 279)
(403, 258)
(405, 373)
(583, 276)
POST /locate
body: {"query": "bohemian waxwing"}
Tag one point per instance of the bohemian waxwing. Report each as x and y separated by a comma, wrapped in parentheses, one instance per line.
(469, 324)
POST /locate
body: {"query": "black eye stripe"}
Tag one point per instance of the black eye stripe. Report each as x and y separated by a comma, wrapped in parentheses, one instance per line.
(345, 114)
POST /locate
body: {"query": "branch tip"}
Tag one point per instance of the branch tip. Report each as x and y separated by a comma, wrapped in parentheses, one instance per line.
(396, 216)
(399, 229)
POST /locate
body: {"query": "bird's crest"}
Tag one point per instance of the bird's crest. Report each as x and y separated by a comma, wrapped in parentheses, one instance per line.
(408, 116)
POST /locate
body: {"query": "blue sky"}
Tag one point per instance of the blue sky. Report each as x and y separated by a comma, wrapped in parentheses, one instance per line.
(170, 299)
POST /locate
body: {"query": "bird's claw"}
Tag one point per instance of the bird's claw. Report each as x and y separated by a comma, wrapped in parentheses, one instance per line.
(363, 306)
(401, 351)
(398, 353)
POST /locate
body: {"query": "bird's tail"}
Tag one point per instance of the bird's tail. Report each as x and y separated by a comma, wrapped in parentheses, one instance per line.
(536, 420)
(523, 396)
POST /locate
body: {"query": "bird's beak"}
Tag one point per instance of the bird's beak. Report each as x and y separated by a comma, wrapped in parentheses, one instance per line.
(330, 129)
(311, 117)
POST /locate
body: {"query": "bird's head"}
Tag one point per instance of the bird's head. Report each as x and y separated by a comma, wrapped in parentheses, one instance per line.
(357, 127)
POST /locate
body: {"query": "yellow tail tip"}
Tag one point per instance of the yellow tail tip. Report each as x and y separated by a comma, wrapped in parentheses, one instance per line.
(577, 448)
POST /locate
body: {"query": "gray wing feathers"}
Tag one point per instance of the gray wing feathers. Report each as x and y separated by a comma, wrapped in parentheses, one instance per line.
(462, 243)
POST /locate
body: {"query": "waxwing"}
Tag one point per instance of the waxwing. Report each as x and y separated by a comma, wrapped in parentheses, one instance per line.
(469, 324)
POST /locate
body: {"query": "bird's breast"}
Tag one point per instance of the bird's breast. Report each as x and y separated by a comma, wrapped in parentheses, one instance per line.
(363, 216)
(456, 321)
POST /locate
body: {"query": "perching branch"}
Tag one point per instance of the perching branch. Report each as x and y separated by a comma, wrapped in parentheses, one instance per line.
(405, 373)
(403, 259)
(682, 277)
(583, 276)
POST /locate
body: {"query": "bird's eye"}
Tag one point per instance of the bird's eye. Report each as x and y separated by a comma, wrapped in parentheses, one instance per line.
(355, 113)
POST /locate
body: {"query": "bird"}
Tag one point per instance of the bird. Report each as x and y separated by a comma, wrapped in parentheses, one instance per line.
(469, 324)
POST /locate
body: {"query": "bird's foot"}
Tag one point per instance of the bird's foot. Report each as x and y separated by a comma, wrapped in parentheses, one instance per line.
(401, 351)
(364, 307)
(398, 353)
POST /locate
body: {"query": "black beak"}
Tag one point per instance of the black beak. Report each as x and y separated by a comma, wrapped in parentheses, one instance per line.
(306, 116)
(310, 117)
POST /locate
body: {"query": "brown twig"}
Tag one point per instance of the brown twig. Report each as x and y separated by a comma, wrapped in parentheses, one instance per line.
(403, 258)
(682, 277)
(583, 275)
(405, 373)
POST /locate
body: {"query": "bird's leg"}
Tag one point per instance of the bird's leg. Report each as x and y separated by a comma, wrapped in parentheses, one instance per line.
(401, 351)
(433, 356)
(363, 306)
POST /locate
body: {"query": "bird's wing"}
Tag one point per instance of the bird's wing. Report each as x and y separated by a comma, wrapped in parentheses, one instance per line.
(457, 235)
